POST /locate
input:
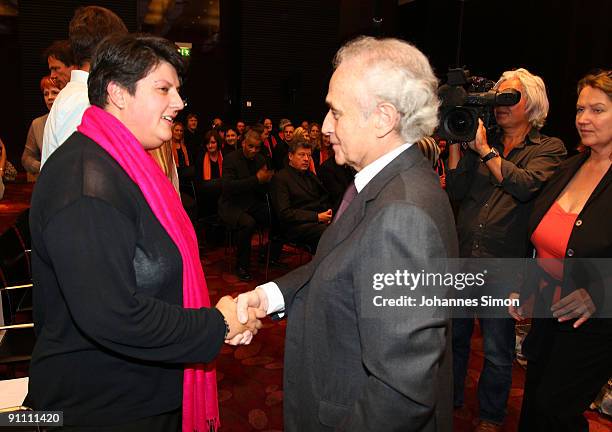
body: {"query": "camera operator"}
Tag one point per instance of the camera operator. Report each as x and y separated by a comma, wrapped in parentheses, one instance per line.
(496, 181)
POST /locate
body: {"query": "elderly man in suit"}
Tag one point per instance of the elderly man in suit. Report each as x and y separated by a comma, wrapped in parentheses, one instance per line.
(349, 364)
(299, 199)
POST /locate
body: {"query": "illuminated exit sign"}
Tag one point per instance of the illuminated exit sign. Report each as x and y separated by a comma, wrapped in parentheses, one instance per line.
(184, 48)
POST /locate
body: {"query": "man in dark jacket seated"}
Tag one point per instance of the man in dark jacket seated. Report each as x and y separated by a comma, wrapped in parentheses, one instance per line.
(243, 205)
(299, 199)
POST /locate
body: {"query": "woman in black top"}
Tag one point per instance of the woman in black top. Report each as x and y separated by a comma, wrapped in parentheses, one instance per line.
(121, 308)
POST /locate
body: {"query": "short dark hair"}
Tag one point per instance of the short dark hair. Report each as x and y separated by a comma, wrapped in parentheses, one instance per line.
(126, 59)
(257, 127)
(192, 115)
(213, 133)
(60, 49)
(253, 133)
(297, 144)
(89, 25)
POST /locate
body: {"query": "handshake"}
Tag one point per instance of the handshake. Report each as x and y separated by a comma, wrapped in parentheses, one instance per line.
(243, 314)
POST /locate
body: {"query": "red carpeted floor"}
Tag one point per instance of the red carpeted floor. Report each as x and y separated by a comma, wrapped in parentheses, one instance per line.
(250, 377)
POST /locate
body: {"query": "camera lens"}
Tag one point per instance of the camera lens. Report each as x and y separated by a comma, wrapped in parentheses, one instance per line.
(460, 122)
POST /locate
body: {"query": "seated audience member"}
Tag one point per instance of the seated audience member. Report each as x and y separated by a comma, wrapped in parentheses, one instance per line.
(261, 130)
(30, 159)
(270, 140)
(335, 178)
(61, 62)
(321, 148)
(240, 129)
(230, 143)
(570, 353)
(300, 134)
(192, 136)
(180, 153)
(279, 152)
(243, 205)
(217, 123)
(210, 170)
(123, 317)
(299, 199)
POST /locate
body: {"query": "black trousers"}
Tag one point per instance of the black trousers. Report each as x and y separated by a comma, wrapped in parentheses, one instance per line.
(307, 234)
(567, 368)
(256, 215)
(166, 422)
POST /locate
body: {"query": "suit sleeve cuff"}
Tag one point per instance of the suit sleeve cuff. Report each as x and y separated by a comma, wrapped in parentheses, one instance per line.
(276, 301)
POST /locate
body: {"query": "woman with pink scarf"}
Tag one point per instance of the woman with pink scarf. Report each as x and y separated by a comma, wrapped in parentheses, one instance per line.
(125, 330)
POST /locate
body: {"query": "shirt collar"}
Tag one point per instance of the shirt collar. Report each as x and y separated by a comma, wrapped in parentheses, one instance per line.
(78, 75)
(363, 177)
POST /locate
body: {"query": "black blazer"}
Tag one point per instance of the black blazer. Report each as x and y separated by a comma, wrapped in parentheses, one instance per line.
(293, 202)
(591, 237)
(240, 187)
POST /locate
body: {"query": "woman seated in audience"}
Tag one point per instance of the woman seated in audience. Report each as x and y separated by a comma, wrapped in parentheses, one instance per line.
(570, 353)
(319, 153)
(33, 146)
(179, 151)
(121, 309)
(210, 167)
(300, 134)
(231, 141)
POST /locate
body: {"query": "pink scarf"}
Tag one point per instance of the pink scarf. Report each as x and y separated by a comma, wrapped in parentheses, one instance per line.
(200, 408)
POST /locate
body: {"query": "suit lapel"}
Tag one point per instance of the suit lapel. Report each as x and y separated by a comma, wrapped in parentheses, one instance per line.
(351, 218)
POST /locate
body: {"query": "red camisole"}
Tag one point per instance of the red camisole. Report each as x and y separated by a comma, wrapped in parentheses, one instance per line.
(550, 240)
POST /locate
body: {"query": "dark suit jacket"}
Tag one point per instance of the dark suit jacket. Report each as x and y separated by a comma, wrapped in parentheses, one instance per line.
(240, 187)
(348, 364)
(591, 238)
(336, 179)
(297, 198)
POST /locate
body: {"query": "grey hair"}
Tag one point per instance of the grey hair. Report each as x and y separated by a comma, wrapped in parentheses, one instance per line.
(398, 73)
(536, 101)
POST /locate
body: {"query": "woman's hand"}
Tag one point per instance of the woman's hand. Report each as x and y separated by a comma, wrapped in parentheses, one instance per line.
(578, 304)
(239, 334)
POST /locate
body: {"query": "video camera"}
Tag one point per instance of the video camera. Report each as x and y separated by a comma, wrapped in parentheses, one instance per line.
(465, 99)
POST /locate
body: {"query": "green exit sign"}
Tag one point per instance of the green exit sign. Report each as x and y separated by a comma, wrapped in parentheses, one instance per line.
(184, 48)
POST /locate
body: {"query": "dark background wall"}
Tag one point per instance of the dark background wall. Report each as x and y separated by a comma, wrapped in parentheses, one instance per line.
(277, 53)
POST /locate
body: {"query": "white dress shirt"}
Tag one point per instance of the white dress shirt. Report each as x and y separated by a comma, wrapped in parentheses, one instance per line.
(65, 114)
(276, 301)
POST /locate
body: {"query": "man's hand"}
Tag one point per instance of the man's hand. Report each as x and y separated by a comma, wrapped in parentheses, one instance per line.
(256, 300)
(325, 217)
(578, 304)
(514, 311)
(480, 144)
(239, 332)
(264, 175)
